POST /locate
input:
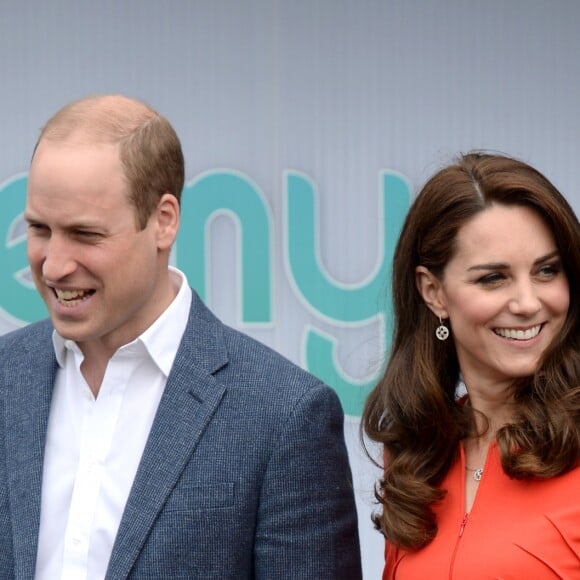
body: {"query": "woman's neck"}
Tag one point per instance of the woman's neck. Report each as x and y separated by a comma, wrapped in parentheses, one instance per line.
(493, 404)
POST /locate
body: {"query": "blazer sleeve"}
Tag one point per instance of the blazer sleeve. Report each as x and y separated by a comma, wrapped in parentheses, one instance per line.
(307, 523)
(6, 546)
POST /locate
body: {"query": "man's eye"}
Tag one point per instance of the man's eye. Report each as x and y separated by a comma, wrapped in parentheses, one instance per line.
(37, 228)
(87, 234)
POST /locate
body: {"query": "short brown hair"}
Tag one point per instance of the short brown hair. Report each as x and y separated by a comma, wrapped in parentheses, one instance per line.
(149, 147)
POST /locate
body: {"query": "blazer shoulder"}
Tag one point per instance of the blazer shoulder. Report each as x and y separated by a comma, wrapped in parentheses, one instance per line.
(241, 354)
(25, 348)
(273, 381)
(245, 351)
(32, 334)
(255, 375)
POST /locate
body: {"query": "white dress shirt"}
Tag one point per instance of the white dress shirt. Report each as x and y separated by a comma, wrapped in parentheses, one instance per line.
(94, 446)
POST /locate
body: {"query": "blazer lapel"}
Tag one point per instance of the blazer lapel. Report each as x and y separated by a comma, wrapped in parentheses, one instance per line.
(31, 379)
(189, 402)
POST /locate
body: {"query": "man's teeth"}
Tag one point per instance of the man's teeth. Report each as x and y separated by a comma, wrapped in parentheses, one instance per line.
(71, 295)
(516, 334)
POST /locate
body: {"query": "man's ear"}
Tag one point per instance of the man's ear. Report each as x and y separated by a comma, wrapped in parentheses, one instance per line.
(431, 290)
(167, 216)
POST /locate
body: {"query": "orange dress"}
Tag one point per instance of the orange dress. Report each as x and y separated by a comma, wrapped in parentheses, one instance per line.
(515, 530)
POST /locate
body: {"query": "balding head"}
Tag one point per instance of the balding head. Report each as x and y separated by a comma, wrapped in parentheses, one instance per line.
(149, 149)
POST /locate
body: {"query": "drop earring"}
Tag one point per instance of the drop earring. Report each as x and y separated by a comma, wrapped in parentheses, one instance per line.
(442, 332)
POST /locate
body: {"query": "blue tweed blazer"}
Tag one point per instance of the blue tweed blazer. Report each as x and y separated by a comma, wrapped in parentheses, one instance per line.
(244, 475)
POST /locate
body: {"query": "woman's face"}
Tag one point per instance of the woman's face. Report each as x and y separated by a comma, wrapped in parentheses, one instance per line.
(505, 293)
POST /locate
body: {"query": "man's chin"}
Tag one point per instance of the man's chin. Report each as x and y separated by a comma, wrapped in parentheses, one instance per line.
(68, 330)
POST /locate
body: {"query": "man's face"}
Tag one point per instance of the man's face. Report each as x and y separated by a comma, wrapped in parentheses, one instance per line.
(98, 274)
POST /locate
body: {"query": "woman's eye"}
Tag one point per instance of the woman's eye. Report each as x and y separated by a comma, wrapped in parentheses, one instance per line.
(550, 270)
(491, 279)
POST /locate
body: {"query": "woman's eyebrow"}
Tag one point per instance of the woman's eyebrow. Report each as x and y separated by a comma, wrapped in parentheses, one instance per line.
(503, 266)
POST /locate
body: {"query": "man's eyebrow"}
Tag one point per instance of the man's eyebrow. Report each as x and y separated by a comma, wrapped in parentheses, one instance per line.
(503, 266)
(32, 219)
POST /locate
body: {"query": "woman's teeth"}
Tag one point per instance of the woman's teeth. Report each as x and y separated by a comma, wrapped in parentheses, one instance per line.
(517, 334)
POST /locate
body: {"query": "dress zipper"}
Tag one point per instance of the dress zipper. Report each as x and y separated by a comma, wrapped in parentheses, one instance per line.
(461, 528)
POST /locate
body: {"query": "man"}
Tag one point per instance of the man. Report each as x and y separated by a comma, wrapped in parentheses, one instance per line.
(139, 436)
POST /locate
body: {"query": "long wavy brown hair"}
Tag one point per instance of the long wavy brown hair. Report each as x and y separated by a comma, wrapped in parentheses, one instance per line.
(413, 410)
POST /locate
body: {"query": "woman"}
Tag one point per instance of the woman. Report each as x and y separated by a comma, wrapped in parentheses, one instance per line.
(486, 282)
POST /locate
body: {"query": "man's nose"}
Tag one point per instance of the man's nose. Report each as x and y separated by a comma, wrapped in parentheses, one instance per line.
(58, 260)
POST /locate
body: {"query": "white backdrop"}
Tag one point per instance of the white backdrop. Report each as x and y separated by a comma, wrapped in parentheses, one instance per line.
(334, 91)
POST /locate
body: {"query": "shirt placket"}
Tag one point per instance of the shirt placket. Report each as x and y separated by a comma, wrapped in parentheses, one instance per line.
(98, 426)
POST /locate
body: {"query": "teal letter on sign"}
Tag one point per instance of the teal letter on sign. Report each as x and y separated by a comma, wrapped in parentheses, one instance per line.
(330, 300)
(226, 192)
(321, 356)
(19, 301)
